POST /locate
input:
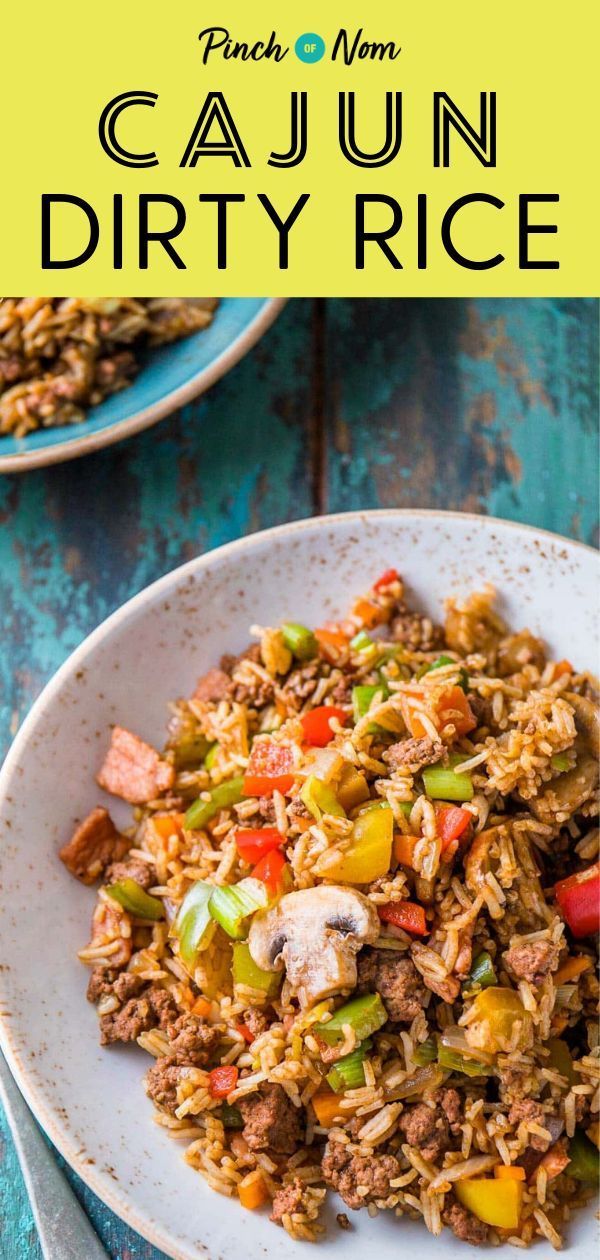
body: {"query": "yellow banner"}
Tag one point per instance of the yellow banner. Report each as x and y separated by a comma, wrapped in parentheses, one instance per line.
(340, 149)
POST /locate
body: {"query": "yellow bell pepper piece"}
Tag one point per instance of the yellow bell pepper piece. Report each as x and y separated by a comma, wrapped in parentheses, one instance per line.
(352, 789)
(320, 799)
(369, 853)
(495, 1201)
(497, 1010)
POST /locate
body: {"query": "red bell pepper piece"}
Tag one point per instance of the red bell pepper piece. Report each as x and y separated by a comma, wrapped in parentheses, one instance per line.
(405, 914)
(386, 579)
(222, 1080)
(269, 768)
(253, 842)
(272, 870)
(579, 900)
(245, 1031)
(452, 822)
(315, 724)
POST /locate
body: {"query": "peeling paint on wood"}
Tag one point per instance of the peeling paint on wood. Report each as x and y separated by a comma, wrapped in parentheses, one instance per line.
(487, 406)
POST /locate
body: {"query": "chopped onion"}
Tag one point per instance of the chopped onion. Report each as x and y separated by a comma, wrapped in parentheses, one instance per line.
(455, 1038)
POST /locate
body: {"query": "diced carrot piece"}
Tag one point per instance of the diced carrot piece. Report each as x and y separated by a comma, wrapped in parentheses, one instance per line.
(252, 1190)
(370, 614)
(572, 968)
(168, 824)
(509, 1172)
(202, 1007)
(327, 1106)
(331, 642)
(562, 667)
(454, 707)
(404, 848)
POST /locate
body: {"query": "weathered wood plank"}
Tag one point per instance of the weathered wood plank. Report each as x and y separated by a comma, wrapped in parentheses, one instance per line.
(486, 406)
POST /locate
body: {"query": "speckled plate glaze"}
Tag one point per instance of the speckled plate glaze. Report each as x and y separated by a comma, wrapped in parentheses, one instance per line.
(170, 378)
(91, 1101)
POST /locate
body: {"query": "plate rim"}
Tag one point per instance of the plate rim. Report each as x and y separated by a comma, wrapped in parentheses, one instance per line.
(85, 444)
(96, 1181)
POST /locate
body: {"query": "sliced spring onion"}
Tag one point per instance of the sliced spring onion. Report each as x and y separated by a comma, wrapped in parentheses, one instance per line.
(452, 1061)
(482, 972)
(193, 926)
(560, 762)
(564, 995)
(425, 1052)
(364, 1015)
(300, 641)
(320, 799)
(362, 698)
(231, 904)
(361, 641)
(246, 972)
(437, 664)
(349, 1072)
(369, 806)
(221, 797)
(135, 900)
(211, 755)
(442, 784)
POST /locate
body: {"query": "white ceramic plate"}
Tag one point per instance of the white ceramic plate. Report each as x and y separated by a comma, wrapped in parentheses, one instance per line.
(91, 1101)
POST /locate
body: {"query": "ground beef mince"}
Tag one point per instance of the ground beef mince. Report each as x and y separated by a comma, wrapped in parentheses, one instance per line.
(271, 1122)
(256, 1021)
(415, 632)
(426, 1128)
(397, 980)
(93, 846)
(415, 753)
(213, 686)
(154, 1008)
(191, 1040)
(266, 809)
(161, 1084)
(527, 1111)
(287, 1200)
(142, 873)
(345, 1172)
(104, 981)
(463, 1224)
(533, 960)
(449, 1101)
(133, 769)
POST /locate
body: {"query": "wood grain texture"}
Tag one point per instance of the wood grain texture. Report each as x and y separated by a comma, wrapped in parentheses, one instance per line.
(488, 406)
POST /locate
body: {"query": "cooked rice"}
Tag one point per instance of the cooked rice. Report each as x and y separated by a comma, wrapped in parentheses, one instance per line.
(59, 356)
(446, 1094)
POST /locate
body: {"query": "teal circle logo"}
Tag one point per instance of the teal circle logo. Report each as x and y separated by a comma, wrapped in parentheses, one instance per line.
(309, 47)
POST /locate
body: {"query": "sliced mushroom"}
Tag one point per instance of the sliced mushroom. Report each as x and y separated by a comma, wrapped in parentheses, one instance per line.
(315, 934)
(565, 795)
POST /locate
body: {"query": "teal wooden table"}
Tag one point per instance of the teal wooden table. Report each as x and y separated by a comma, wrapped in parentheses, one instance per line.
(484, 406)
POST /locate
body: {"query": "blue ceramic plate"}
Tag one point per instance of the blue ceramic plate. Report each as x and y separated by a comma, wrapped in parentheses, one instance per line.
(170, 377)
